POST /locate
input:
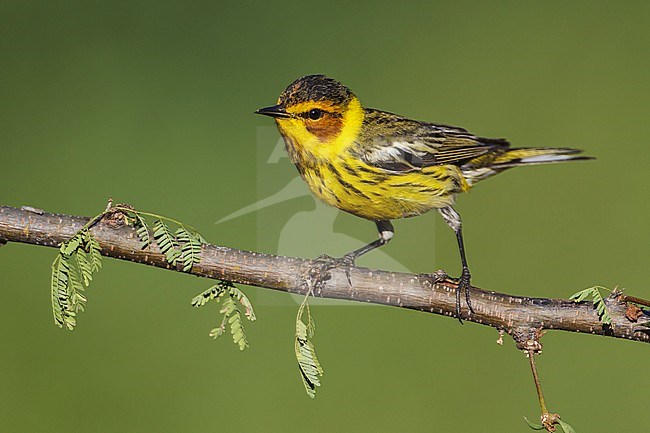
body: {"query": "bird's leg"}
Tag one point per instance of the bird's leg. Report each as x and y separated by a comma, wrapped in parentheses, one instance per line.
(452, 218)
(465, 276)
(386, 233)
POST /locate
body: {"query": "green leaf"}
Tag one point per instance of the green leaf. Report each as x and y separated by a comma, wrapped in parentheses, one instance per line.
(191, 250)
(214, 292)
(84, 266)
(228, 294)
(231, 312)
(200, 238)
(75, 286)
(533, 425)
(583, 294)
(70, 246)
(72, 271)
(142, 230)
(566, 427)
(94, 250)
(166, 241)
(310, 368)
(217, 332)
(60, 289)
(244, 301)
(599, 302)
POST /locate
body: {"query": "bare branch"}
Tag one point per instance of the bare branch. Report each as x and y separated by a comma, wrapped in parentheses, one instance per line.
(521, 317)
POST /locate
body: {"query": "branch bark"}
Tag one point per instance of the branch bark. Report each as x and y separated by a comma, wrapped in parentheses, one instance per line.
(521, 317)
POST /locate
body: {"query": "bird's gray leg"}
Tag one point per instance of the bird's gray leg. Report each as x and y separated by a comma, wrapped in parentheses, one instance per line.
(452, 218)
(386, 233)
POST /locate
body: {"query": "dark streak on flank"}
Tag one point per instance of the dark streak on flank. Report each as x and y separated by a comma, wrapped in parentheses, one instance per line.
(377, 175)
(347, 185)
(349, 169)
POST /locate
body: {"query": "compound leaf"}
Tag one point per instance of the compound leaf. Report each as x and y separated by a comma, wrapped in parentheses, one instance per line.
(310, 368)
(142, 230)
(191, 250)
(166, 241)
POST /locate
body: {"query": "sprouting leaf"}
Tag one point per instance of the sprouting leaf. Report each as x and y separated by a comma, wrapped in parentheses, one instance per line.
(142, 230)
(191, 249)
(234, 322)
(166, 241)
(72, 272)
(310, 368)
(84, 266)
(565, 426)
(75, 287)
(244, 301)
(226, 293)
(213, 292)
(599, 302)
(582, 294)
(94, 250)
(70, 246)
(227, 306)
(533, 425)
(218, 332)
(60, 288)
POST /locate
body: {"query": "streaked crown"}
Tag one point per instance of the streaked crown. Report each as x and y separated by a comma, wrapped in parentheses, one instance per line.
(315, 88)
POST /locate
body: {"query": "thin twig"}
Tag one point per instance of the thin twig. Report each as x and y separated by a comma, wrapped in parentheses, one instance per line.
(548, 419)
(635, 300)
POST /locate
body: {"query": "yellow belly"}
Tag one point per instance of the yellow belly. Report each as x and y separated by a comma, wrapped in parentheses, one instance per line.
(377, 194)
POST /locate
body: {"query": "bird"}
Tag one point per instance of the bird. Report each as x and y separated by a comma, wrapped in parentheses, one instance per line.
(381, 166)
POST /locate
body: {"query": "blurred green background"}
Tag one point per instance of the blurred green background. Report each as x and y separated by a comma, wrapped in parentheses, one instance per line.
(102, 99)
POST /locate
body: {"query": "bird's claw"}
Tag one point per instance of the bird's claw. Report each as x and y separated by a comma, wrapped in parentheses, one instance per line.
(463, 286)
(438, 276)
(326, 263)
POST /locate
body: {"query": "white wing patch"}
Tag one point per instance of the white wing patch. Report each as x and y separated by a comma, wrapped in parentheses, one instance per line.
(396, 151)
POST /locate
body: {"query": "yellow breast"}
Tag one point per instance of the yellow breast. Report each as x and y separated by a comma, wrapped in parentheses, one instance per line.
(367, 192)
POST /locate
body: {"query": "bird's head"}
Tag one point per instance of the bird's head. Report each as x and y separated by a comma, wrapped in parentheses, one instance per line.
(316, 111)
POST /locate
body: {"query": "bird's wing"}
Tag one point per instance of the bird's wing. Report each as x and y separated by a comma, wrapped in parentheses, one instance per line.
(395, 143)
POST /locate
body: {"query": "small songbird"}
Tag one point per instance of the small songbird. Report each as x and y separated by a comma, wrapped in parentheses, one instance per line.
(381, 166)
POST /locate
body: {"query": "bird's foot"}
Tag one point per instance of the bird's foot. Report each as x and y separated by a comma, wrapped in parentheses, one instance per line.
(438, 276)
(463, 285)
(324, 263)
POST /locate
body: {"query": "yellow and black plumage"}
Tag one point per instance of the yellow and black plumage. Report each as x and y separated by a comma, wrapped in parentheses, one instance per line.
(381, 166)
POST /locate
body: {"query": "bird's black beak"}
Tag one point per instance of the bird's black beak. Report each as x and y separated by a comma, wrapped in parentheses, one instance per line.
(277, 111)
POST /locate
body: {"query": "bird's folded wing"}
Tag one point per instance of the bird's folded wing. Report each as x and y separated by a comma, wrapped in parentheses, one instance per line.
(417, 145)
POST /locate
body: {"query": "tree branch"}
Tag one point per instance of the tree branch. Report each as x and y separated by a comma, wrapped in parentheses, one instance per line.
(521, 317)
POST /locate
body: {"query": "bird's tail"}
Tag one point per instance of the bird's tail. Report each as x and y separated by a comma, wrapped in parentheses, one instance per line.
(492, 163)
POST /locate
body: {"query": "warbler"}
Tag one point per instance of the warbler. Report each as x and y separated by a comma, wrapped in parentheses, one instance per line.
(382, 166)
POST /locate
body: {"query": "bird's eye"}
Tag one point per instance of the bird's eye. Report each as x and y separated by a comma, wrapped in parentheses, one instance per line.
(315, 114)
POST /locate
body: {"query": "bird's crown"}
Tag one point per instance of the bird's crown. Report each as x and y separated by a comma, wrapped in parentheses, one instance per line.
(315, 88)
